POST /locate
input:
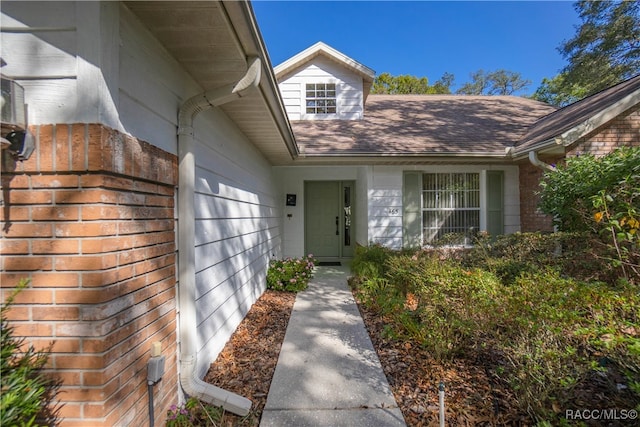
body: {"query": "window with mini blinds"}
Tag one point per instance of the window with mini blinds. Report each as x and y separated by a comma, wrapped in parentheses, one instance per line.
(321, 98)
(450, 205)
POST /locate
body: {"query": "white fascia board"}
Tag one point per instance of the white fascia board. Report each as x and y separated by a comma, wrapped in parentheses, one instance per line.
(318, 49)
(600, 118)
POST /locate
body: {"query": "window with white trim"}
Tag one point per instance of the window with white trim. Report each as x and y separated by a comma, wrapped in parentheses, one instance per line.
(321, 98)
(450, 206)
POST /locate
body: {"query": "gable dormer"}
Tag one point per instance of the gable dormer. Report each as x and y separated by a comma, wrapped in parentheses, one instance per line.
(321, 83)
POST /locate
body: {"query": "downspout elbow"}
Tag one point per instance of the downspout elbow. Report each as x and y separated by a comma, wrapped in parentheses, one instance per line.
(209, 393)
(219, 96)
(228, 93)
(251, 78)
(535, 161)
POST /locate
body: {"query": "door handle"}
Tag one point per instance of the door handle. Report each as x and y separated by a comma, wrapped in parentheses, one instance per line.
(337, 226)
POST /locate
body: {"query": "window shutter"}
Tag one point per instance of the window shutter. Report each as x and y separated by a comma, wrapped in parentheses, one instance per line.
(411, 211)
(495, 202)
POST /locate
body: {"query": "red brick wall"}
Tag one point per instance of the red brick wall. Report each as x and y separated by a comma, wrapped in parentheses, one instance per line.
(89, 219)
(531, 218)
(624, 130)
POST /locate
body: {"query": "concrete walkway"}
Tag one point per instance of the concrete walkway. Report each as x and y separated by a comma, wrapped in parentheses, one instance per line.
(328, 373)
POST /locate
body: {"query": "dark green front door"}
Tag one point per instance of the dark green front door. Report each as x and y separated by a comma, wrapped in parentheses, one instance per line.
(329, 218)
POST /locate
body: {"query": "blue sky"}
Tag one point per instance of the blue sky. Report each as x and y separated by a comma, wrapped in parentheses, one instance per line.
(426, 38)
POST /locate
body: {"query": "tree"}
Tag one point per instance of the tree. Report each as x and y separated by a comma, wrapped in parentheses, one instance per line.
(443, 85)
(500, 82)
(505, 82)
(478, 85)
(406, 84)
(606, 48)
(382, 84)
(604, 51)
(557, 92)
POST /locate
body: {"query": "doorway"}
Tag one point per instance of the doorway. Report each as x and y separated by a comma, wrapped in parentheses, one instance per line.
(329, 219)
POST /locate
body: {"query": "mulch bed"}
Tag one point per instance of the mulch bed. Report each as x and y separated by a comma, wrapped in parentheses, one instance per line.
(472, 397)
(248, 361)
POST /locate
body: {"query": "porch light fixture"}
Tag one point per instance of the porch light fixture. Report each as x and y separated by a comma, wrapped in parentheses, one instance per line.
(16, 138)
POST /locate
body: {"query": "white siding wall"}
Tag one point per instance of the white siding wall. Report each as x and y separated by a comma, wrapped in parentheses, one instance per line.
(322, 70)
(385, 206)
(152, 85)
(92, 62)
(64, 64)
(237, 229)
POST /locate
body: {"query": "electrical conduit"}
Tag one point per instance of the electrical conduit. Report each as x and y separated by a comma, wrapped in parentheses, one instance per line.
(191, 384)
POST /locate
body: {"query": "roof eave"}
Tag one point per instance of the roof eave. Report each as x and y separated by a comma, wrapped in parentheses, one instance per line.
(241, 15)
(570, 136)
(549, 147)
(400, 157)
(602, 117)
(219, 57)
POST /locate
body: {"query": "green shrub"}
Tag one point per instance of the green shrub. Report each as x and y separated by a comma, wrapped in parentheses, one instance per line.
(555, 331)
(618, 220)
(511, 305)
(448, 299)
(602, 196)
(26, 391)
(291, 274)
(578, 255)
(566, 192)
(368, 261)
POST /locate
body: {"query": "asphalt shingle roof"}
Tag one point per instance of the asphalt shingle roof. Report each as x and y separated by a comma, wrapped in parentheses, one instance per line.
(424, 125)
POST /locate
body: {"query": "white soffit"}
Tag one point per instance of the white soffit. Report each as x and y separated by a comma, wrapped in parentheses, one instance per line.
(212, 41)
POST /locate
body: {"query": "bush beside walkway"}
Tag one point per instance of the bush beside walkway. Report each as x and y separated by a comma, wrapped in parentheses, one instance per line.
(546, 334)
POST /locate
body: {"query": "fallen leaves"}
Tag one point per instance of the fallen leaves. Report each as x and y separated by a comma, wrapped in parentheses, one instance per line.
(247, 363)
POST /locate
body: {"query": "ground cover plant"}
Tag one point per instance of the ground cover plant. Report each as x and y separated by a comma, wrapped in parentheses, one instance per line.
(547, 340)
(290, 274)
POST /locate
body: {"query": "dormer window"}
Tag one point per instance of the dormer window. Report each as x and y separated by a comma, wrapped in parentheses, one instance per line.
(321, 98)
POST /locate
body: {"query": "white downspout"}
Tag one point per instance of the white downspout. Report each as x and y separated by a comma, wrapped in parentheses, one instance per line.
(191, 384)
(535, 161)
